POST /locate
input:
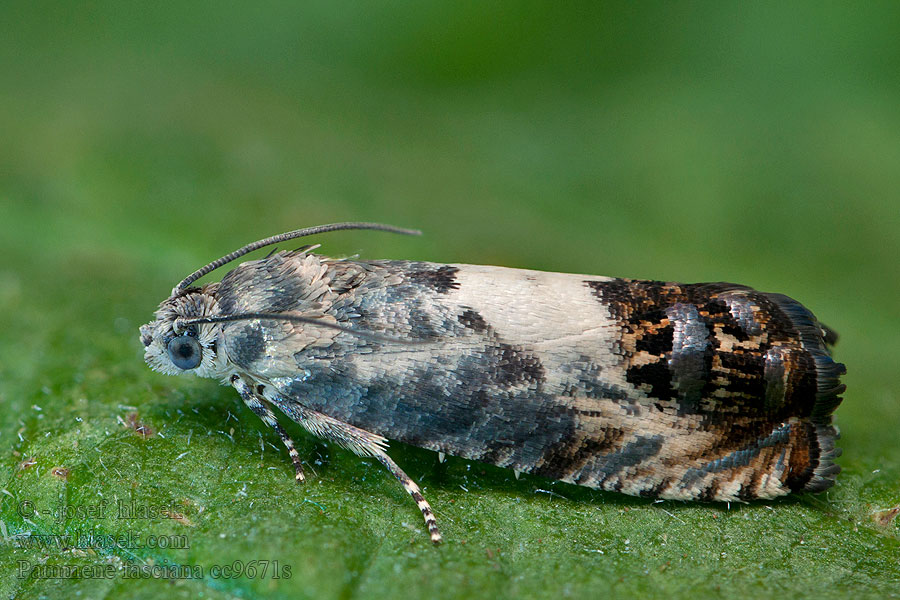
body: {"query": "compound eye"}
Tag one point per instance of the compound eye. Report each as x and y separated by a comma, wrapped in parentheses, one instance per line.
(184, 352)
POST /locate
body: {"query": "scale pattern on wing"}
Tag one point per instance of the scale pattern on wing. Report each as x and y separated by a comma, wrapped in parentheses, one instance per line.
(704, 391)
(745, 373)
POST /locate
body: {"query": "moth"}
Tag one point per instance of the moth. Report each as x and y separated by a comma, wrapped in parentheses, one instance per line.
(707, 391)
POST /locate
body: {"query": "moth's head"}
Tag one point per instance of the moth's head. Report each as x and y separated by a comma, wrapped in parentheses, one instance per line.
(173, 347)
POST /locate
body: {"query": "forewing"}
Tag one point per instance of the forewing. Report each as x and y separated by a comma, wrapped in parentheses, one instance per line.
(707, 391)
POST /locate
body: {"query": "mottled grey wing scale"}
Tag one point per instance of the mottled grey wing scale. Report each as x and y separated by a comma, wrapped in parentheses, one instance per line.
(705, 391)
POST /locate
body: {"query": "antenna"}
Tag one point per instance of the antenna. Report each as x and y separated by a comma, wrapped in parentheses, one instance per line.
(275, 239)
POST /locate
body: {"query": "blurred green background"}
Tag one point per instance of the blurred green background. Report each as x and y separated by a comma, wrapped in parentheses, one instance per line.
(756, 143)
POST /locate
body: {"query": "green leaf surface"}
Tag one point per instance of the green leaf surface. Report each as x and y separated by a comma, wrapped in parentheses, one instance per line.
(697, 142)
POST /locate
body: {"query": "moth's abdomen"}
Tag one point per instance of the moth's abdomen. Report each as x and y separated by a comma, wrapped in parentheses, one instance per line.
(750, 368)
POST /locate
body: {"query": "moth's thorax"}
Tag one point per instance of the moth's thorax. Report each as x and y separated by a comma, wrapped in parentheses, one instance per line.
(292, 282)
(156, 335)
(285, 281)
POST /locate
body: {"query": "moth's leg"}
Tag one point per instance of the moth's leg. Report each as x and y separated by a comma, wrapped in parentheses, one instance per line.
(413, 490)
(262, 410)
(365, 443)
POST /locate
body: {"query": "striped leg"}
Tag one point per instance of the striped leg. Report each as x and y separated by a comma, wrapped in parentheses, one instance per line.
(262, 410)
(365, 443)
(413, 490)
